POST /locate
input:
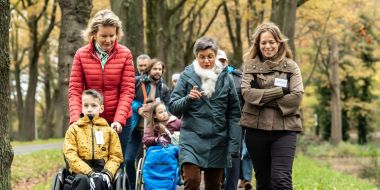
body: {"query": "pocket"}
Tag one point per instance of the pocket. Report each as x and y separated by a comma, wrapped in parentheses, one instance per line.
(250, 116)
(251, 109)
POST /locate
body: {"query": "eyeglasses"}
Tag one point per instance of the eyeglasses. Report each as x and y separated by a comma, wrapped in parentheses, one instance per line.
(209, 58)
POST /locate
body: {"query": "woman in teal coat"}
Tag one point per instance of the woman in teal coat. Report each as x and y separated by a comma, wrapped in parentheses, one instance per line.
(205, 98)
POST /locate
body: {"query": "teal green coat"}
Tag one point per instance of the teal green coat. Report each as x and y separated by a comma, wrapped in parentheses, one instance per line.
(207, 138)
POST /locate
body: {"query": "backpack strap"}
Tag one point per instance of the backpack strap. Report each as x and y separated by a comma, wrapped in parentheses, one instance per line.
(144, 92)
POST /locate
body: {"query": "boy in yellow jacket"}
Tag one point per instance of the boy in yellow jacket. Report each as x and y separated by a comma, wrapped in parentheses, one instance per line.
(91, 147)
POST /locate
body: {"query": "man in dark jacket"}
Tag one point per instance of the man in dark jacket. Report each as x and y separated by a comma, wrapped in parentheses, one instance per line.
(149, 88)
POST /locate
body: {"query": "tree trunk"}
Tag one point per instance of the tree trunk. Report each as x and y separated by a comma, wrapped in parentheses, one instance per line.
(27, 131)
(135, 27)
(336, 117)
(75, 16)
(284, 15)
(120, 8)
(48, 111)
(152, 27)
(17, 58)
(131, 14)
(6, 153)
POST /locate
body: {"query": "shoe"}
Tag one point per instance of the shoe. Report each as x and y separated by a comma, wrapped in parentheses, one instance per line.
(242, 182)
(247, 185)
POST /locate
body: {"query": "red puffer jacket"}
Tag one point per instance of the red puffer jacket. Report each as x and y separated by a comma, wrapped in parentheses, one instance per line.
(116, 82)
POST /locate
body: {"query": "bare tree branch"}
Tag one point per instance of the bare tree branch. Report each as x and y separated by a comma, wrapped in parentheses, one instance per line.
(43, 10)
(188, 14)
(228, 23)
(22, 15)
(176, 8)
(47, 32)
(15, 5)
(319, 46)
(301, 2)
(212, 19)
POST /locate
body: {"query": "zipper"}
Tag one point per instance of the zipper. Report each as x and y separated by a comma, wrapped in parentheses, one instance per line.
(92, 138)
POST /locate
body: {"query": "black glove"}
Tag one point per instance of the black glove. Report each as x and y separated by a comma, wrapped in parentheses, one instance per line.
(254, 84)
(235, 155)
(285, 91)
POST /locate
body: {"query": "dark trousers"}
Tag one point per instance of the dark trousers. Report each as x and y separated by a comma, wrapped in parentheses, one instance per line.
(232, 175)
(123, 137)
(133, 145)
(272, 154)
(192, 177)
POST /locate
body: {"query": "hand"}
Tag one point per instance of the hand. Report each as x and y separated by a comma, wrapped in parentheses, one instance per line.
(235, 155)
(117, 126)
(144, 111)
(163, 141)
(195, 94)
(254, 84)
(285, 90)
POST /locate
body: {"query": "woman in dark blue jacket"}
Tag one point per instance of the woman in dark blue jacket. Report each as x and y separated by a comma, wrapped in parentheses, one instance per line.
(205, 98)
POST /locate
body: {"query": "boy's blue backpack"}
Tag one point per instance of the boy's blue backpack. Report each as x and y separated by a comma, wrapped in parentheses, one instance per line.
(160, 170)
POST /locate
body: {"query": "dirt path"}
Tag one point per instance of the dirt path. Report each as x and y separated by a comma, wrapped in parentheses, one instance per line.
(27, 149)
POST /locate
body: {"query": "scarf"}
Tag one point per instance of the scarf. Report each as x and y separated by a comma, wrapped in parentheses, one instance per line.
(103, 55)
(208, 76)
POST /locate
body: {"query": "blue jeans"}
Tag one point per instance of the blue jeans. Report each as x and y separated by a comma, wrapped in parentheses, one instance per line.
(131, 152)
(123, 137)
(246, 166)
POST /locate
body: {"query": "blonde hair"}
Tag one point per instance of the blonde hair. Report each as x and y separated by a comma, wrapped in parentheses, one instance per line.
(283, 49)
(103, 18)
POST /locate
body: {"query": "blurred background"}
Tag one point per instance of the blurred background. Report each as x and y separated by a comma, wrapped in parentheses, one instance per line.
(335, 43)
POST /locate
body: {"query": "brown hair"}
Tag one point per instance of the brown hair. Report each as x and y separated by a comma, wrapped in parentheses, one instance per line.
(283, 49)
(94, 94)
(152, 121)
(102, 18)
(152, 62)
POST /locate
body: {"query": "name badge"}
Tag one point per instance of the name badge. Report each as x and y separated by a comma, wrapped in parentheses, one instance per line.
(280, 82)
(99, 137)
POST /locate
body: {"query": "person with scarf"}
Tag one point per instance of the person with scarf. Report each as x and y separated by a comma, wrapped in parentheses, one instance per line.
(272, 90)
(206, 100)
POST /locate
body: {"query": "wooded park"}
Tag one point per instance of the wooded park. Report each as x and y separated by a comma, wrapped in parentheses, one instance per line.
(336, 44)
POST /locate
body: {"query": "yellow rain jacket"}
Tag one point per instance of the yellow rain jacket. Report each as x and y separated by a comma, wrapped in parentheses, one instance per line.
(92, 147)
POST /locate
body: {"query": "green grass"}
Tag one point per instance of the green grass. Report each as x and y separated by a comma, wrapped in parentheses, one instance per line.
(36, 165)
(44, 141)
(315, 148)
(309, 174)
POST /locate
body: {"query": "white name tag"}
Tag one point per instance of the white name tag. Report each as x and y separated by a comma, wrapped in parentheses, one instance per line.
(280, 82)
(99, 137)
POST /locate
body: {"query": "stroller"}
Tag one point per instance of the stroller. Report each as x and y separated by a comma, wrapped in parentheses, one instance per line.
(158, 169)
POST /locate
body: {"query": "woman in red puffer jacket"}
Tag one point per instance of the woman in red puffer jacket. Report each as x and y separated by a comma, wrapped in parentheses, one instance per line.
(106, 66)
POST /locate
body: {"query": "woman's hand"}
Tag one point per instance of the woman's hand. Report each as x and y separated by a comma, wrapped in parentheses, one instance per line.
(116, 126)
(195, 94)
